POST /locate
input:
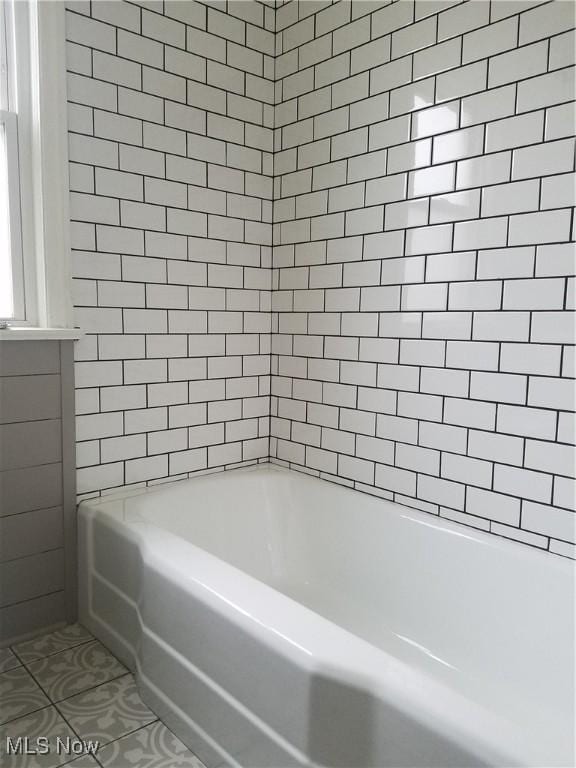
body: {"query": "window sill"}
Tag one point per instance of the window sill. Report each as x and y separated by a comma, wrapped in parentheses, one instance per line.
(36, 334)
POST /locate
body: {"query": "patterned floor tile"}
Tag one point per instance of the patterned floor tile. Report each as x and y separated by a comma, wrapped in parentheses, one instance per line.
(8, 660)
(83, 762)
(76, 670)
(44, 723)
(53, 642)
(19, 694)
(151, 747)
(108, 712)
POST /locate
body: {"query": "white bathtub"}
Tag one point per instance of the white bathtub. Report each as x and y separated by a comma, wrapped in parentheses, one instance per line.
(277, 620)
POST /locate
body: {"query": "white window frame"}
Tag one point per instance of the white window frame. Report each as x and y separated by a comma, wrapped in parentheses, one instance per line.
(43, 290)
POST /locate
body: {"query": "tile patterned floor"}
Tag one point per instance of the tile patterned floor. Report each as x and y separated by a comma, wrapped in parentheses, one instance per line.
(66, 685)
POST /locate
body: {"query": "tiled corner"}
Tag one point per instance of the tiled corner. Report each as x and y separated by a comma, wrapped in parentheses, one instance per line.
(403, 322)
(423, 259)
(67, 685)
(171, 207)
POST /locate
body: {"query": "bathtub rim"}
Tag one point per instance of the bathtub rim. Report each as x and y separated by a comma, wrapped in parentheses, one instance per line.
(429, 519)
(154, 543)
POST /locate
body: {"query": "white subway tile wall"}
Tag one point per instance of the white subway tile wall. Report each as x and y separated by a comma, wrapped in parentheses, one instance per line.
(422, 344)
(336, 235)
(171, 109)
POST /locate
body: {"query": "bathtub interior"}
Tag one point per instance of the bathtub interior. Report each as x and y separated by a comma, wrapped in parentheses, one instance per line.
(489, 618)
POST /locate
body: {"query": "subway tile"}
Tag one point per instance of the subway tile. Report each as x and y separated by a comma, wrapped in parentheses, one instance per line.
(559, 122)
(475, 295)
(501, 326)
(392, 17)
(464, 469)
(545, 227)
(538, 359)
(455, 207)
(554, 458)
(456, 21)
(529, 422)
(90, 32)
(548, 520)
(488, 105)
(437, 58)
(499, 507)
(514, 131)
(442, 437)
(510, 198)
(441, 491)
(451, 266)
(369, 55)
(552, 328)
(551, 393)
(543, 159)
(534, 294)
(469, 413)
(483, 171)
(439, 381)
(472, 355)
(486, 233)
(427, 240)
(447, 325)
(390, 132)
(461, 82)
(440, 119)
(558, 191)
(490, 40)
(386, 189)
(367, 166)
(546, 90)
(410, 213)
(506, 262)
(397, 480)
(498, 387)
(461, 296)
(418, 35)
(390, 75)
(432, 180)
(538, 23)
(517, 65)
(136, 48)
(504, 449)
(523, 483)
(350, 90)
(412, 97)
(369, 110)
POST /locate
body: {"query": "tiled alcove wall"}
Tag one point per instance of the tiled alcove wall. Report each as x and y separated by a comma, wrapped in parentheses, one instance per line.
(171, 110)
(423, 192)
(37, 499)
(417, 249)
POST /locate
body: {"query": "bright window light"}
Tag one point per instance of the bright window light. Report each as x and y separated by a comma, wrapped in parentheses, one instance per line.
(6, 292)
(11, 257)
(34, 239)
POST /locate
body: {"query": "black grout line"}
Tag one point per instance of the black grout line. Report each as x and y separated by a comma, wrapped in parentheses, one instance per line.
(291, 331)
(55, 704)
